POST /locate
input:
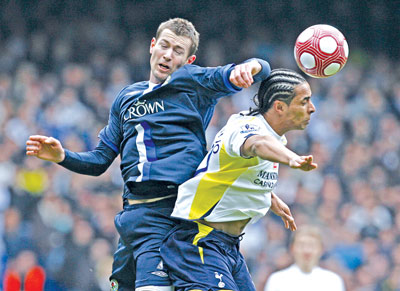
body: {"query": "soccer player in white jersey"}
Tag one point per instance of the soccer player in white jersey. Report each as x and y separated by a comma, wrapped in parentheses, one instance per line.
(305, 274)
(233, 187)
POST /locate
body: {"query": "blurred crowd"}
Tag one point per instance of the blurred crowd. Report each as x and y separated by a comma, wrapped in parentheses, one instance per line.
(59, 75)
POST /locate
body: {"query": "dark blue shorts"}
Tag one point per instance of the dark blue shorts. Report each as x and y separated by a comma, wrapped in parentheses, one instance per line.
(137, 261)
(200, 257)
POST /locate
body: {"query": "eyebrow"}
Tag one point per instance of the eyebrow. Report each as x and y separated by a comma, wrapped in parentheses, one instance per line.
(306, 98)
(176, 46)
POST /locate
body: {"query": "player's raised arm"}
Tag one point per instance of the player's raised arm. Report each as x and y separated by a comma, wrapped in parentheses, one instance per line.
(242, 74)
(45, 148)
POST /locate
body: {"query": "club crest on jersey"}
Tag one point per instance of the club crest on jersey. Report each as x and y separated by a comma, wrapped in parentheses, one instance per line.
(249, 128)
(114, 285)
(142, 108)
(220, 283)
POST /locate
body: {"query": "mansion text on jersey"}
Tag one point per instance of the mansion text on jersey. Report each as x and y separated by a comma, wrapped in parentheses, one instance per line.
(141, 108)
(266, 179)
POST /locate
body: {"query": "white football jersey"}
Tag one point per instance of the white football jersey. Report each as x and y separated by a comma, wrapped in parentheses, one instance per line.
(227, 186)
(293, 278)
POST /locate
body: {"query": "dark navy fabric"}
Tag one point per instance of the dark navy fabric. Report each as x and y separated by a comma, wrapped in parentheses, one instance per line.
(160, 137)
(93, 163)
(172, 120)
(224, 268)
(142, 227)
(169, 122)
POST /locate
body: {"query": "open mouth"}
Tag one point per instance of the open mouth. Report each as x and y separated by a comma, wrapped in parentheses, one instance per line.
(163, 67)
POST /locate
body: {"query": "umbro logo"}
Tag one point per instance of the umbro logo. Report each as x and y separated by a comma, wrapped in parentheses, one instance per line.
(161, 274)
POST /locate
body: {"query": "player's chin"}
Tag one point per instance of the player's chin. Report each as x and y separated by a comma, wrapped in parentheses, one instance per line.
(161, 77)
(305, 124)
(300, 126)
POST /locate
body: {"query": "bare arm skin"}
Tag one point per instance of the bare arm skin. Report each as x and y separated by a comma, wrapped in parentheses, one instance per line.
(269, 148)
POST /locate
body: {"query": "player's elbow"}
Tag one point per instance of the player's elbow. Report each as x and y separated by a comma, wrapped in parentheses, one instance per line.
(97, 170)
(97, 173)
(258, 147)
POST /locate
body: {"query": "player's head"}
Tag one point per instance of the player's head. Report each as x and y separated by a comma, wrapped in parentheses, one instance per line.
(279, 85)
(181, 27)
(175, 45)
(307, 247)
(287, 95)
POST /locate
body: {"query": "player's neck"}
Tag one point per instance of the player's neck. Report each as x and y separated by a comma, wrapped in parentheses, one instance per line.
(305, 268)
(276, 124)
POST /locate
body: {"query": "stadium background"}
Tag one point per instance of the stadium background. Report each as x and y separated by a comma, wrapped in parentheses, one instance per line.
(62, 63)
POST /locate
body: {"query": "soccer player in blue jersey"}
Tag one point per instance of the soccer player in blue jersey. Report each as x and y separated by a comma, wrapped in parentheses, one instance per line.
(233, 187)
(157, 127)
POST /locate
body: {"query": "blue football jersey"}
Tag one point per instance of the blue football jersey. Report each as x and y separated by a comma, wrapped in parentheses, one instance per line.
(160, 134)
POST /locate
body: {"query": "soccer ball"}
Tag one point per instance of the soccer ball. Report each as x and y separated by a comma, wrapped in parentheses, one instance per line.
(321, 51)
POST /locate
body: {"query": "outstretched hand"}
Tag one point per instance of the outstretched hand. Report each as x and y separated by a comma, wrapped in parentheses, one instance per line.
(283, 211)
(242, 75)
(304, 163)
(45, 148)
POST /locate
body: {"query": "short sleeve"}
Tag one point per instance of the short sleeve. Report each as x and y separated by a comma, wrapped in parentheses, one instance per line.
(241, 131)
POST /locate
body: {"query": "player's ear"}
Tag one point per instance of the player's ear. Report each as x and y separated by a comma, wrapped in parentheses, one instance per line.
(152, 44)
(191, 59)
(279, 106)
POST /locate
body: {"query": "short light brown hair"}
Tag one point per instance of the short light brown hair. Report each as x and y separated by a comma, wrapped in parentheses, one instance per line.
(181, 27)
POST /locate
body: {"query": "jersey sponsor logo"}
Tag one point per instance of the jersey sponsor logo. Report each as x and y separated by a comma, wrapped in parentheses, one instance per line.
(266, 179)
(114, 285)
(142, 108)
(220, 283)
(249, 128)
(161, 274)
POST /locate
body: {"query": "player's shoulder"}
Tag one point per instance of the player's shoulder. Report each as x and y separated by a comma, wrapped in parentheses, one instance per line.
(243, 117)
(186, 70)
(132, 89)
(183, 77)
(194, 71)
(244, 122)
(328, 274)
(283, 272)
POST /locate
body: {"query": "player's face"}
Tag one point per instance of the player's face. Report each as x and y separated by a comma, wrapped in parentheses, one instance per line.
(168, 53)
(307, 251)
(299, 111)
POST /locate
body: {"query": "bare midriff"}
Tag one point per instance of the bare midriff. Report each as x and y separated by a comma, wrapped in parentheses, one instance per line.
(234, 228)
